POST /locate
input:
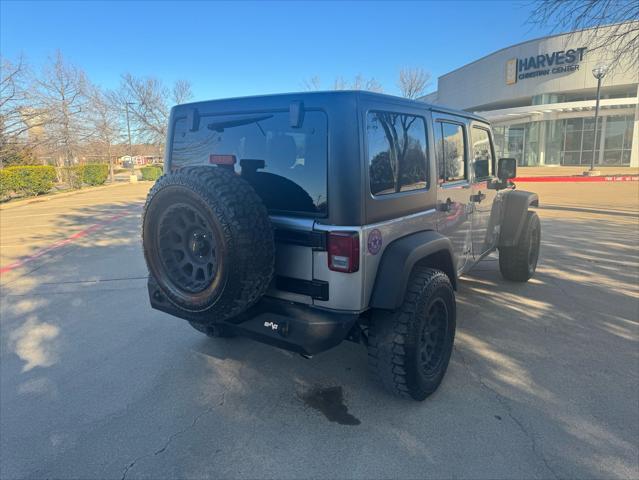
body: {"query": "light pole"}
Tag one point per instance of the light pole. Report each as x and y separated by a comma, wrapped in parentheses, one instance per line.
(128, 129)
(599, 73)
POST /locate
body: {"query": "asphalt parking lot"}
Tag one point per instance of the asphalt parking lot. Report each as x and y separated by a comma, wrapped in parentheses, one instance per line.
(543, 382)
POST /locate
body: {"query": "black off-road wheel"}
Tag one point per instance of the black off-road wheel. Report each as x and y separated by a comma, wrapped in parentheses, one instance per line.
(519, 263)
(409, 348)
(208, 241)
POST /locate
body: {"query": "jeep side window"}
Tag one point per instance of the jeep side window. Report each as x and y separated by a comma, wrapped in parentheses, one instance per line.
(482, 153)
(450, 149)
(397, 152)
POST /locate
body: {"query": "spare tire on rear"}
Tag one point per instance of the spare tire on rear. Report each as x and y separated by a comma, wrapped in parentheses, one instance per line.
(208, 241)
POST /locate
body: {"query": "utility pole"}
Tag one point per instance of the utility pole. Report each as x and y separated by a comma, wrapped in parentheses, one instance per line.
(128, 129)
(599, 72)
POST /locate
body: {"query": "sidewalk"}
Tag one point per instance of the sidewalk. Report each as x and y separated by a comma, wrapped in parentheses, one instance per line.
(576, 174)
(574, 171)
(55, 195)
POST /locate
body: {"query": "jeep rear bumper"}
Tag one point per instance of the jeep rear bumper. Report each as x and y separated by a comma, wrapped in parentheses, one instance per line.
(291, 326)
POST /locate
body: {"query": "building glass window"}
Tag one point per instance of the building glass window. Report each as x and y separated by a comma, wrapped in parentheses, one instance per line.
(570, 141)
(588, 140)
(615, 129)
(627, 136)
(531, 145)
(482, 153)
(606, 92)
(397, 153)
(499, 134)
(554, 142)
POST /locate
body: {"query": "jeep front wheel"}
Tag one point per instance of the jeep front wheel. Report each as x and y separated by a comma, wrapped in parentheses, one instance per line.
(409, 348)
(519, 263)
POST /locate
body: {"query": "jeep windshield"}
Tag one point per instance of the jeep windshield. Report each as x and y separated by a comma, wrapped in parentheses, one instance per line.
(286, 165)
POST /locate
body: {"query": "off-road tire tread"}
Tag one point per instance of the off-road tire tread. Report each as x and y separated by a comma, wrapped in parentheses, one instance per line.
(246, 229)
(513, 261)
(391, 335)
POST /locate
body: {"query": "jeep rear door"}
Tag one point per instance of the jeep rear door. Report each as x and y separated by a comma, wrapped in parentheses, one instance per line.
(483, 168)
(453, 184)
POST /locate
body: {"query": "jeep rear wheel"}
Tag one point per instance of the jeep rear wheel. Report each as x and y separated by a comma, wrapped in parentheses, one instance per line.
(519, 263)
(409, 349)
(208, 241)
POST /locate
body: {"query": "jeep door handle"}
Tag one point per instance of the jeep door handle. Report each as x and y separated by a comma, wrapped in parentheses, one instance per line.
(445, 206)
(478, 197)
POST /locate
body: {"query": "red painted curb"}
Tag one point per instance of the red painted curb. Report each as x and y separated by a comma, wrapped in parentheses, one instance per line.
(62, 243)
(607, 178)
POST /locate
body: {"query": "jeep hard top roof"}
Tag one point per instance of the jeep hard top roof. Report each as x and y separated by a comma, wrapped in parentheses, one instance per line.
(321, 97)
(285, 138)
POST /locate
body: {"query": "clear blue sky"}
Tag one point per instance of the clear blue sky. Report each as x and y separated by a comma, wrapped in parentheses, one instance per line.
(244, 48)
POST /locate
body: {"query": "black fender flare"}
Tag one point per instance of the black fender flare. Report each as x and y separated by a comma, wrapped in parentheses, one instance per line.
(513, 218)
(428, 247)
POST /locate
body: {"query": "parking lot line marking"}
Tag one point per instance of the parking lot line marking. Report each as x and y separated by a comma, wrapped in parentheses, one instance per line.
(61, 243)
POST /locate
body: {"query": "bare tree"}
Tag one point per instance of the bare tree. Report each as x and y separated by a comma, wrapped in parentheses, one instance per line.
(373, 85)
(60, 101)
(340, 84)
(312, 84)
(613, 26)
(359, 83)
(181, 92)
(148, 103)
(104, 120)
(16, 118)
(398, 141)
(369, 84)
(60, 112)
(413, 82)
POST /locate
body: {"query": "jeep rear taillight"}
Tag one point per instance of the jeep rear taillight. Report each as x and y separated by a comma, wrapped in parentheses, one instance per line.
(222, 159)
(343, 251)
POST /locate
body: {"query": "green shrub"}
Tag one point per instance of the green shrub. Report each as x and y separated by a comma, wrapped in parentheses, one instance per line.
(27, 180)
(72, 176)
(151, 173)
(37, 179)
(7, 183)
(95, 173)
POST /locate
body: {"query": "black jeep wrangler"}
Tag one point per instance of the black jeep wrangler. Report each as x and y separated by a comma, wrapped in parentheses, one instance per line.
(302, 220)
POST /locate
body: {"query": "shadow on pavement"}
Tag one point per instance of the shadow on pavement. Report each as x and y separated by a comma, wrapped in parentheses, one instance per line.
(543, 380)
(591, 210)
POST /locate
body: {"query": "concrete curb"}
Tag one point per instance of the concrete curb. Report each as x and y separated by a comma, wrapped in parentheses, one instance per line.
(46, 198)
(602, 178)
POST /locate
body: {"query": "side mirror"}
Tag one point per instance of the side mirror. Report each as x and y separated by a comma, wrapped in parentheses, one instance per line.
(506, 168)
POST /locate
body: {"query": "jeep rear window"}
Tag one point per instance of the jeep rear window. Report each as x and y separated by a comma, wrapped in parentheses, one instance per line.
(286, 165)
(396, 152)
(450, 147)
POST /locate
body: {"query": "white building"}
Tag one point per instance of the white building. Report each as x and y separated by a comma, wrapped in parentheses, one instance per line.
(540, 97)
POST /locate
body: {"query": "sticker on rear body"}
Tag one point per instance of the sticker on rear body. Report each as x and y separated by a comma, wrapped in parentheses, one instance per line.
(374, 241)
